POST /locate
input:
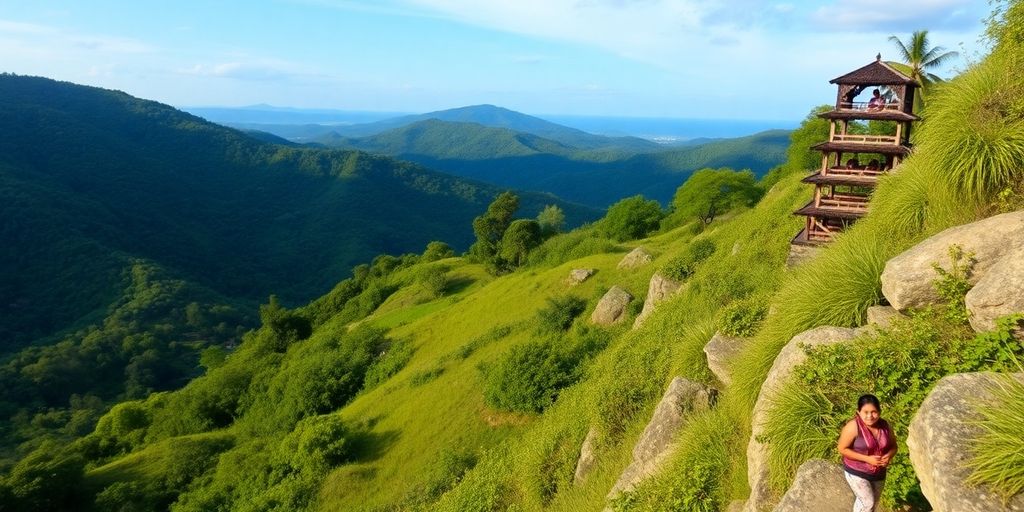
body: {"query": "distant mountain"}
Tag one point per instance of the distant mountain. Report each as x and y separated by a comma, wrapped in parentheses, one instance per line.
(92, 180)
(268, 114)
(596, 177)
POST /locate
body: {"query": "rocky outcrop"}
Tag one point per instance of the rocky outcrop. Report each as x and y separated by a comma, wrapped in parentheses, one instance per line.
(907, 278)
(938, 432)
(791, 356)
(578, 275)
(612, 307)
(636, 258)
(587, 457)
(720, 351)
(882, 316)
(998, 293)
(659, 290)
(656, 444)
(798, 254)
(820, 486)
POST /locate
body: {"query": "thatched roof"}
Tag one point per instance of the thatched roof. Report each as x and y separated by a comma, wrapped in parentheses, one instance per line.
(876, 73)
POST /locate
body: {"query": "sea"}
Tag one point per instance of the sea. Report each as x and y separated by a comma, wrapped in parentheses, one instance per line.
(671, 131)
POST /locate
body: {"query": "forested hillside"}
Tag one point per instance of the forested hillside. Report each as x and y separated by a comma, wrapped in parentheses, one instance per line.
(588, 176)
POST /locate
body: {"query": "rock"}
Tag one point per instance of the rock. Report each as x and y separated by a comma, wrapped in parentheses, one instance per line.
(819, 486)
(720, 351)
(791, 356)
(937, 438)
(657, 442)
(907, 278)
(578, 275)
(612, 307)
(882, 316)
(636, 258)
(798, 254)
(998, 293)
(659, 290)
(587, 457)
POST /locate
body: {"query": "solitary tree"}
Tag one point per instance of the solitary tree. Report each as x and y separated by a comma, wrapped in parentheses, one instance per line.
(491, 226)
(551, 219)
(918, 57)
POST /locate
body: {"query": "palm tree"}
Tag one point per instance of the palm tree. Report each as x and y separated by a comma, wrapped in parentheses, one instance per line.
(918, 58)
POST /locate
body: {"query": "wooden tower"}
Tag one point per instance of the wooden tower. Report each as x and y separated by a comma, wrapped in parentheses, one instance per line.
(851, 163)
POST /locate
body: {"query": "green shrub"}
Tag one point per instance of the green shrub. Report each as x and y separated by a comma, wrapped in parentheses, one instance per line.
(559, 313)
(683, 266)
(573, 245)
(631, 218)
(494, 334)
(742, 318)
(424, 376)
(529, 377)
(433, 280)
(395, 358)
(436, 251)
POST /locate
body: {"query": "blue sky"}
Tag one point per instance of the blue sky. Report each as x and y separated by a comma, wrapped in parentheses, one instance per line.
(731, 59)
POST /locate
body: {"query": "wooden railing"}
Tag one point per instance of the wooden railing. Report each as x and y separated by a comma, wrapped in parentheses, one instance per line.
(844, 202)
(864, 173)
(863, 106)
(865, 139)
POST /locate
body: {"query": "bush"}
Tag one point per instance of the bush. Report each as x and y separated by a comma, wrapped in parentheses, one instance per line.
(742, 318)
(529, 377)
(437, 251)
(559, 313)
(570, 246)
(631, 218)
(434, 281)
(683, 266)
(395, 358)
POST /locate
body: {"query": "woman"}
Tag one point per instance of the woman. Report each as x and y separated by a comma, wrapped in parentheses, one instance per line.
(867, 446)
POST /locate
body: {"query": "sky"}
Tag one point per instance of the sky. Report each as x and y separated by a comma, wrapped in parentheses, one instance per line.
(717, 59)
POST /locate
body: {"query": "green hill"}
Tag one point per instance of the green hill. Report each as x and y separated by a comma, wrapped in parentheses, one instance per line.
(596, 178)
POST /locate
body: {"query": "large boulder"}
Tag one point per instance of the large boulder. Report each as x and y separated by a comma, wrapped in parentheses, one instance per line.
(791, 356)
(820, 486)
(659, 290)
(998, 293)
(907, 278)
(938, 441)
(578, 275)
(720, 351)
(657, 442)
(612, 307)
(636, 258)
(587, 457)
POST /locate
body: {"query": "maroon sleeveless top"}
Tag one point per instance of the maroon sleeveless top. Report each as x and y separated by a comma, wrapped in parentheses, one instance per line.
(866, 444)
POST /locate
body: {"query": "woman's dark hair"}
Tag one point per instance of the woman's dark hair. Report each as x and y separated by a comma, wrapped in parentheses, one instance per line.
(868, 399)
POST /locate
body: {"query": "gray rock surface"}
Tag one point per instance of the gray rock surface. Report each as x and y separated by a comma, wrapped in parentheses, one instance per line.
(937, 439)
(819, 486)
(659, 290)
(612, 307)
(578, 275)
(907, 278)
(798, 254)
(636, 258)
(657, 442)
(587, 457)
(791, 356)
(998, 293)
(720, 351)
(882, 316)
(736, 506)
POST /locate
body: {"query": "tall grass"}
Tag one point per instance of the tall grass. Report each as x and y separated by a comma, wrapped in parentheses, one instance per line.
(997, 455)
(972, 129)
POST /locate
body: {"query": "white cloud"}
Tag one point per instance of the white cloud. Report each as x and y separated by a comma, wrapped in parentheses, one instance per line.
(886, 15)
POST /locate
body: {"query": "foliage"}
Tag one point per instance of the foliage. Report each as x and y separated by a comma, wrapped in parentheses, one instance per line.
(742, 318)
(47, 479)
(569, 246)
(953, 284)
(709, 193)
(551, 220)
(683, 266)
(490, 227)
(434, 281)
(997, 455)
(559, 313)
(631, 218)
(286, 325)
(519, 239)
(436, 251)
(918, 57)
(393, 359)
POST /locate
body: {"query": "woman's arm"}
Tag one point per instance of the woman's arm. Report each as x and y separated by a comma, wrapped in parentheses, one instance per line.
(845, 446)
(887, 456)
